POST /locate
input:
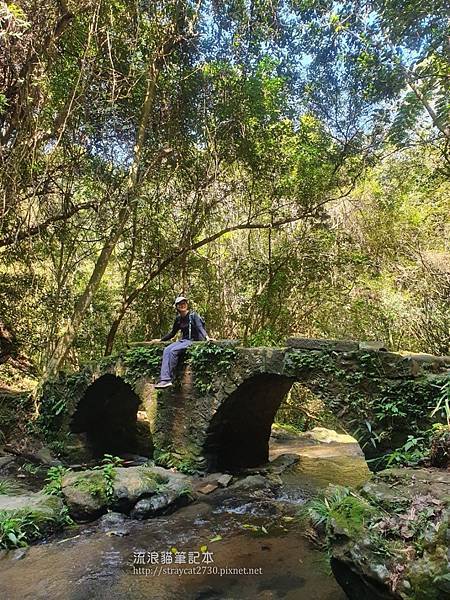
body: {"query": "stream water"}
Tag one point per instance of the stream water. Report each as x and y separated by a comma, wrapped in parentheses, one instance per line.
(255, 549)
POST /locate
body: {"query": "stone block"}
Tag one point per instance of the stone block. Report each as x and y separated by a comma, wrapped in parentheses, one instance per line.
(390, 365)
(207, 488)
(275, 360)
(250, 360)
(323, 344)
(224, 480)
(373, 346)
(226, 343)
(437, 363)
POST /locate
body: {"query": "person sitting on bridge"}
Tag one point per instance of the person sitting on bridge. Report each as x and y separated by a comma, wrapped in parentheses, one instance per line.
(192, 329)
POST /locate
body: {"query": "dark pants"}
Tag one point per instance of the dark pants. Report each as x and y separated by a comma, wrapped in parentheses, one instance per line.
(171, 355)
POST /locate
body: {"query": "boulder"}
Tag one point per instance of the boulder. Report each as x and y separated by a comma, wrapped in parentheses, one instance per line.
(133, 483)
(44, 513)
(253, 483)
(328, 436)
(89, 494)
(407, 482)
(85, 494)
(401, 552)
(175, 493)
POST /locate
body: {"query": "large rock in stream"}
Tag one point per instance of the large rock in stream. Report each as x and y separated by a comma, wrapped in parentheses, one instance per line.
(402, 550)
(324, 456)
(37, 513)
(142, 491)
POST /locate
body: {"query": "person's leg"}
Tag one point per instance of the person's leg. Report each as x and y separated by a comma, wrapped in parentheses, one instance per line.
(165, 365)
(175, 352)
(171, 355)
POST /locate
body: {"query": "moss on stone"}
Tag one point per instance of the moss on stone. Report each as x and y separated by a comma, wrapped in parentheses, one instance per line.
(93, 483)
(27, 518)
(150, 476)
(403, 546)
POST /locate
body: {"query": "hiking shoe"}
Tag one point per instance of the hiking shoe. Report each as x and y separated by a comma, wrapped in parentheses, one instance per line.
(163, 384)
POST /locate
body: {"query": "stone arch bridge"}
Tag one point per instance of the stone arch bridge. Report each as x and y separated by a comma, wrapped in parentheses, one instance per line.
(219, 413)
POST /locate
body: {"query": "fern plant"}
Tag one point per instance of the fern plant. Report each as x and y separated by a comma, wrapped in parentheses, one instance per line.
(16, 528)
(8, 488)
(54, 480)
(443, 403)
(108, 467)
(342, 511)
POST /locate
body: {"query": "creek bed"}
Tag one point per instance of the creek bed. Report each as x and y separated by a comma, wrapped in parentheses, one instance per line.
(101, 563)
(255, 530)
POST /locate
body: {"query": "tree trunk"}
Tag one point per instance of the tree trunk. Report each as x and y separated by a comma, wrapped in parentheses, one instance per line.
(8, 343)
(67, 338)
(113, 331)
(182, 251)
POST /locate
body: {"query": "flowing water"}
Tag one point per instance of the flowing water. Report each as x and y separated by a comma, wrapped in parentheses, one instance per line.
(255, 548)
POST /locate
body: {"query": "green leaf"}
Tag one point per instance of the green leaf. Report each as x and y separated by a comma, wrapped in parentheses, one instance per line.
(250, 527)
(13, 538)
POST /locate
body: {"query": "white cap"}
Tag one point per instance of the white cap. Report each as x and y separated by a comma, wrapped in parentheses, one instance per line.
(179, 299)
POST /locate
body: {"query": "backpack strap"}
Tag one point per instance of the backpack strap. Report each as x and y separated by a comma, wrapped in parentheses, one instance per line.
(191, 317)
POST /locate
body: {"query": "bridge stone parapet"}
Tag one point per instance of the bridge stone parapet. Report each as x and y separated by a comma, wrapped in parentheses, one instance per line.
(219, 413)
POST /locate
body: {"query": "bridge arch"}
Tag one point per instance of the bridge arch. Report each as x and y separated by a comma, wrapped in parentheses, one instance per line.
(107, 415)
(214, 415)
(239, 431)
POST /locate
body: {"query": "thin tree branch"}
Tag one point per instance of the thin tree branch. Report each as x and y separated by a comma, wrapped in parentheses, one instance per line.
(39, 228)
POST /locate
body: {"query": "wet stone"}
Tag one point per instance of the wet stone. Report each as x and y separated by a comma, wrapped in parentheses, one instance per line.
(147, 507)
(207, 488)
(6, 460)
(224, 480)
(283, 462)
(112, 520)
(18, 554)
(253, 482)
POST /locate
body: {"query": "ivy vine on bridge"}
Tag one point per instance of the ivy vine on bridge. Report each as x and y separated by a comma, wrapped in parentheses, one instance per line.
(219, 413)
